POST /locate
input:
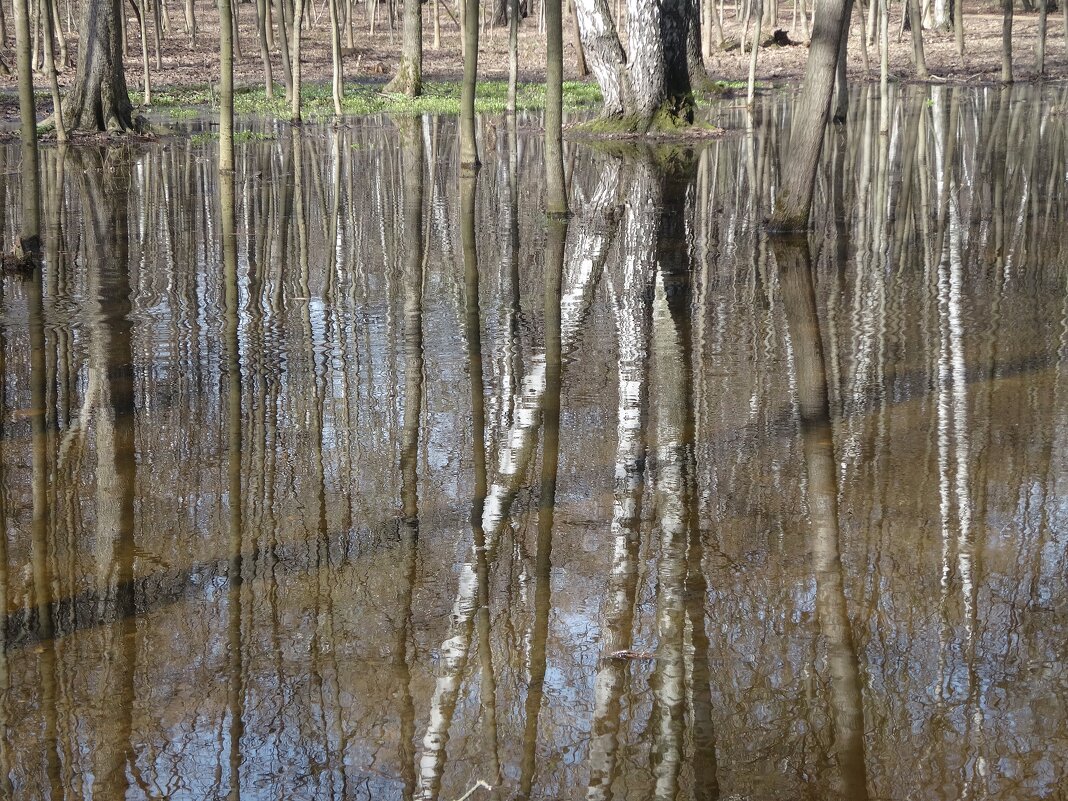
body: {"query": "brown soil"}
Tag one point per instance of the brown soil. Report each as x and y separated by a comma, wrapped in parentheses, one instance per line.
(373, 58)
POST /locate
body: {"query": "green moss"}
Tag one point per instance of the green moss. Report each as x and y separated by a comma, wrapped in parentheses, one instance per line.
(438, 97)
(671, 121)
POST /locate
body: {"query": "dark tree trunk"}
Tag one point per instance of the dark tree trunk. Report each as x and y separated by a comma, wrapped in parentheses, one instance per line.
(500, 13)
(696, 62)
(676, 24)
(99, 100)
(794, 203)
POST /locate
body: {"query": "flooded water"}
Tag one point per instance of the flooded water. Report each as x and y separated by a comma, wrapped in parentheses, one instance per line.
(348, 478)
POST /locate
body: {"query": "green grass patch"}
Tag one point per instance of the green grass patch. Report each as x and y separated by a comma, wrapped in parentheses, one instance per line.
(239, 137)
(360, 99)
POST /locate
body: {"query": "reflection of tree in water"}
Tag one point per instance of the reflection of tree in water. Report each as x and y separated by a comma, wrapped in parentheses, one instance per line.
(371, 383)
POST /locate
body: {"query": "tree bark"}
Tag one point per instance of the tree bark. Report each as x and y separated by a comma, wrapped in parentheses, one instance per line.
(1040, 54)
(576, 38)
(648, 86)
(468, 146)
(513, 53)
(99, 99)
(409, 77)
(604, 53)
(793, 205)
(30, 228)
(263, 24)
(1006, 41)
(294, 58)
(695, 61)
(226, 87)
(53, 80)
(841, 108)
(337, 84)
(917, 40)
(556, 186)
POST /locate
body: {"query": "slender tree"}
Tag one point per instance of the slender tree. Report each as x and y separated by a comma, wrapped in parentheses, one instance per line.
(1040, 47)
(841, 107)
(337, 85)
(513, 53)
(468, 145)
(294, 58)
(1006, 41)
(793, 205)
(556, 185)
(263, 25)
(918, 58)
(53, 80)
(30, 229)
(226, 88)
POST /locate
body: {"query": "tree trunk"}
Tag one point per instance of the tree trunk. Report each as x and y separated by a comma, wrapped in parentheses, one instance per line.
(556, 186)
(294, 58)
(1040, 54)
(468, 146)
(263, 23)
(226, 87)
(649, 86)
(500, 13)
(1006, 42)
(604, 53)
(284, 22)
(938, 15)
(841, 107)
(409, 77)
(695, 61)
(793, 205)
(917, 40)
(30, 228)
(513, 53)
(576, 38)
(99, 99)
(958, 27)
(56, 27)
(191, 23)
(647, 51)
(758, 19)
(142, 29)
(337, 84)
(53, 81)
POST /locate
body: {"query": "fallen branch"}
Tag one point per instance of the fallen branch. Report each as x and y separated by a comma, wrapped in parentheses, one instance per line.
(477, 785)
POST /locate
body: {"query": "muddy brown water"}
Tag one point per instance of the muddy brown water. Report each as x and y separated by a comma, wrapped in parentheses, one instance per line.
(352, 478)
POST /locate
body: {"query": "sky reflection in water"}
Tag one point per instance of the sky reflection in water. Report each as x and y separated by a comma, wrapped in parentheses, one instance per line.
(402, 487)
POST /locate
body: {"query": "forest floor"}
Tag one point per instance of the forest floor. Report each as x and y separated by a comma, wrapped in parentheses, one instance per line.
(371, 58)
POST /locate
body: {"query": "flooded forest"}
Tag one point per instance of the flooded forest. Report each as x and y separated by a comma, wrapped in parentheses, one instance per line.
(354, 475)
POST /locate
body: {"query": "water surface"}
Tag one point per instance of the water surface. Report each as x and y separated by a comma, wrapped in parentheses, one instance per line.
(349, 478)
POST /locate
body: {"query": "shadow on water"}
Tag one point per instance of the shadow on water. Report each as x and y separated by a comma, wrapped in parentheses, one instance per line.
(352, 475)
